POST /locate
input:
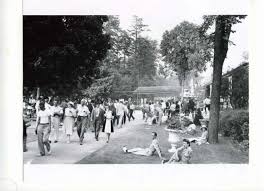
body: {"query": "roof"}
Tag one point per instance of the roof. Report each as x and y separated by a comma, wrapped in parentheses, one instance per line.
(173, 90)
(230, 73)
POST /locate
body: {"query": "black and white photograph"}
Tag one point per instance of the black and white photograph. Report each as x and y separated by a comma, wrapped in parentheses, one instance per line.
(117, 89)
(131, 95)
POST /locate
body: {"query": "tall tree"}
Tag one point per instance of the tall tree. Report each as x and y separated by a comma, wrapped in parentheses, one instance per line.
(63, 52)
(137, 28)
(220, 38)
(184, 50)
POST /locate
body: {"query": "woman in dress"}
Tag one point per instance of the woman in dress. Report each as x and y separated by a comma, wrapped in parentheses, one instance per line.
(69, 115)
(108, 125)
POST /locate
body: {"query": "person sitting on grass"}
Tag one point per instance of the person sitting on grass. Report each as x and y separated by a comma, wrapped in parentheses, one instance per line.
(181, 155)
(203, 138)
(154, 146)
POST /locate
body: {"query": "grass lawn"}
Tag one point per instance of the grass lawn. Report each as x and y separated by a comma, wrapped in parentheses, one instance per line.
(140, 136)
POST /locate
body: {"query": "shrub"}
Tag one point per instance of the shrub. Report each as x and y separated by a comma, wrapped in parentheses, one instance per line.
(174, 123)
(234, 123)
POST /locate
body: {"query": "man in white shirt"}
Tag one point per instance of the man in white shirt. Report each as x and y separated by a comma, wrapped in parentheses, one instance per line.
(82, 119)
(119, 113)
(56, 112)
(43, 128)
(207, 103)
(163, 106)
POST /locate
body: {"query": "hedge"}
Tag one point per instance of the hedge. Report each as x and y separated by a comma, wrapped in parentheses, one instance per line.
(234, 123)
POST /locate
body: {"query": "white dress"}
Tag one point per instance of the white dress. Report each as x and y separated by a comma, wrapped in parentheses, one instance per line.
(69, 120)
(108, 121)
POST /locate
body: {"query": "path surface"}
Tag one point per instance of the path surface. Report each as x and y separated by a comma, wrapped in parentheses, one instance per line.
(63, 153)
(133, 134)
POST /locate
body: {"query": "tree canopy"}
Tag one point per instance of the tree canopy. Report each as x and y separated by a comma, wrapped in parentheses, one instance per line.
(126, 63)
(63, 52)
(185, 50)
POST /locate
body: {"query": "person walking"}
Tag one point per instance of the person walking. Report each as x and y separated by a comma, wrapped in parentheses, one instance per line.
(99, 120)
(113, 109)
(108, 125)
(56, 112)
(26, 124)
(163, 106)
(43, 128)
(90, 107)
(69, 115)
(131, 111)
(125, 113)
(119, 113)
(207, 103)
(83, 115)
(160, 113)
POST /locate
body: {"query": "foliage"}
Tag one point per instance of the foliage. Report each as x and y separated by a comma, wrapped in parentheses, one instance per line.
(100, 89)
(185, 50)
(174, 123)
(63, 52)
(234, 123)
(126, 65)
(220, 40)
(225, 90)
(239, 98)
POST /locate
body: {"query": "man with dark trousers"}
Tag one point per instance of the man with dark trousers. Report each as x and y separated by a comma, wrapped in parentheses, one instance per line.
(98, 118)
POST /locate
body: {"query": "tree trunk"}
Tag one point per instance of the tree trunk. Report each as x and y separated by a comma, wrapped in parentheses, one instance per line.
(222, 32)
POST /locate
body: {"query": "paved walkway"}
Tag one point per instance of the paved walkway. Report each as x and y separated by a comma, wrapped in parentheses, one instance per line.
(134, 134)
(63, 153)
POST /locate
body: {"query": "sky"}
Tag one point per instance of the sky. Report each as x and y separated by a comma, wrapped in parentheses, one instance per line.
(160, 15)
(160, 23)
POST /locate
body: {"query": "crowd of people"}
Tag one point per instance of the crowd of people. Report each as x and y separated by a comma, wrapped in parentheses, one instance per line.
(156, 113)
(104, 116)
(86, 114)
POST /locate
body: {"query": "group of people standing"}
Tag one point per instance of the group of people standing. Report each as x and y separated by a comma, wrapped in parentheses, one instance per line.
(155, 111)
(86, 114)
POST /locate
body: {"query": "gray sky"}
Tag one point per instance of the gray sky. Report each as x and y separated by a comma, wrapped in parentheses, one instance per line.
(159, 23)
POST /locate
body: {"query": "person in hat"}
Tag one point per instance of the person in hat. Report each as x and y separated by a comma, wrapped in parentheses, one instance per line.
(83, 115)
(203, 139)
(182, 154)
(43, 128)
(69, 115)
(108, 124)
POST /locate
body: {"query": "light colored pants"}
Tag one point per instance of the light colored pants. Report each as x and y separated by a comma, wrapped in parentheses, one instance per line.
(81, 127)
(43, 138)
(55, 122)
(120, 121)
(140, 151)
